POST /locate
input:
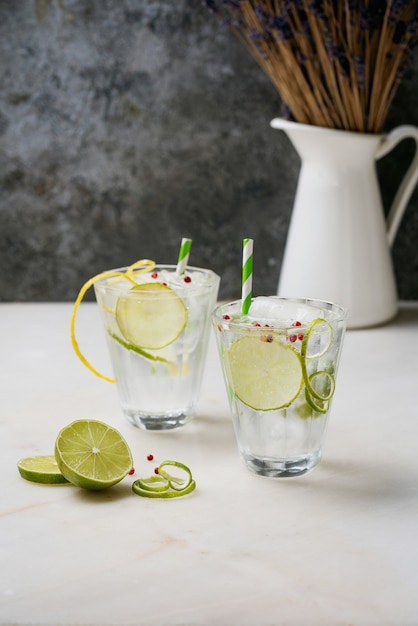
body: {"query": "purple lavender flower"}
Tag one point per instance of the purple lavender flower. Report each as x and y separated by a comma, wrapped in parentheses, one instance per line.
(399, 34)
(283, 28)
(360, 67)
(345, 29)
(396, 9)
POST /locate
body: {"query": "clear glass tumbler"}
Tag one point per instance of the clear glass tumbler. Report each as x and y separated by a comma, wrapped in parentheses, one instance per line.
(157, 334)
(280, 365)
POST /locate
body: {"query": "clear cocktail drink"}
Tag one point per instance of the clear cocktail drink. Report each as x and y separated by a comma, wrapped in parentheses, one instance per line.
(157, 325)
(280, 364)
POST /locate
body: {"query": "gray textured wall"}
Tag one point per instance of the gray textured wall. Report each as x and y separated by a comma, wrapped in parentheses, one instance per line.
(127, 125)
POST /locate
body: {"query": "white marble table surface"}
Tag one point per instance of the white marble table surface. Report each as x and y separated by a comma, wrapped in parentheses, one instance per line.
(336, 547)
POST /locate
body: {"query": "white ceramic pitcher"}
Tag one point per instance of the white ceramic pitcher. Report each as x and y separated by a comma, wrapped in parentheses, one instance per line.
(338, 244)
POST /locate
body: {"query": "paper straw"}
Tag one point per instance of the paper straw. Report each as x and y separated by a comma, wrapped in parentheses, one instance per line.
(183, 259)
(247, 275)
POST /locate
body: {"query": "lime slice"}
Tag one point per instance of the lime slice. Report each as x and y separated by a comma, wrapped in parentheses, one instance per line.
(92, 455)
(41, 469)
(151, 316)
(265, 373)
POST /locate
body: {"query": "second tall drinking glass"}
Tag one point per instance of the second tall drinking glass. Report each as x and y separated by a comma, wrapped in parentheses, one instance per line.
(157, 326)
(280, 365)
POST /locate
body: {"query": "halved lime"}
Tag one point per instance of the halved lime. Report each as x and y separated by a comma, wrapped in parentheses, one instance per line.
(92, 455)
(41, 469)
(265, 373)
(151, 316)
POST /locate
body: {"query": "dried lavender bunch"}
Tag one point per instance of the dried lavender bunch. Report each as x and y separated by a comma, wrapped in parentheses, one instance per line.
(335, 63)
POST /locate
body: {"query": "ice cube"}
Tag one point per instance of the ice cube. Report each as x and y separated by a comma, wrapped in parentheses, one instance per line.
(282, 312)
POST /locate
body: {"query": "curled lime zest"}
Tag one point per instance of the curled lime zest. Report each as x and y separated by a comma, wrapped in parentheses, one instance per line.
(320, 406)
(175, 482)
(315, 399)
(164, 484)
(147, 493)
(308, 336)
(314, 392)
(145, 265)
(153, 483)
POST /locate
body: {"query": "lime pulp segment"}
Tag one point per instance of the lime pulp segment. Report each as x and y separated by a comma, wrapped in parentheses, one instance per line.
(92, 454)
(151, 316)
(265, 373)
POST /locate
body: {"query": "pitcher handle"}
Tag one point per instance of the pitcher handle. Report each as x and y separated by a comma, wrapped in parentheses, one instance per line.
(409, 181)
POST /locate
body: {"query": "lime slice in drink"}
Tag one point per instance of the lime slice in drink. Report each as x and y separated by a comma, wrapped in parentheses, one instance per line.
(41, 469)
(151, 316)
(265, 373)
(92, 455)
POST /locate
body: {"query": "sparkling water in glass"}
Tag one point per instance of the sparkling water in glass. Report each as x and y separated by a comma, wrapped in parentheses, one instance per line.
(158, 388)
(280, 365)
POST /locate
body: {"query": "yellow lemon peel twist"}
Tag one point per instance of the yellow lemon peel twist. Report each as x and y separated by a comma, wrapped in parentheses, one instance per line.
(144, 265)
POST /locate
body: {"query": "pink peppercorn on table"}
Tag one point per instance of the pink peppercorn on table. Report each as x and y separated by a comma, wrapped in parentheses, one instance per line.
(337, 546)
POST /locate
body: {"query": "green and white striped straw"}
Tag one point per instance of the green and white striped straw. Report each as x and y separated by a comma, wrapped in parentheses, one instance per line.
(184, 253)
(247, 275)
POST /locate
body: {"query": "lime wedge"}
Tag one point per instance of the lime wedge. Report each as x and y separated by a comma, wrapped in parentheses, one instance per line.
(92, 455)
(151, 316)
(265, 373)
(41, 469)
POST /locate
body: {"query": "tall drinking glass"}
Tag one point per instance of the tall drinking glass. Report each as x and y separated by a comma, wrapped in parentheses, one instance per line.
(157, 326)
(280, 366)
